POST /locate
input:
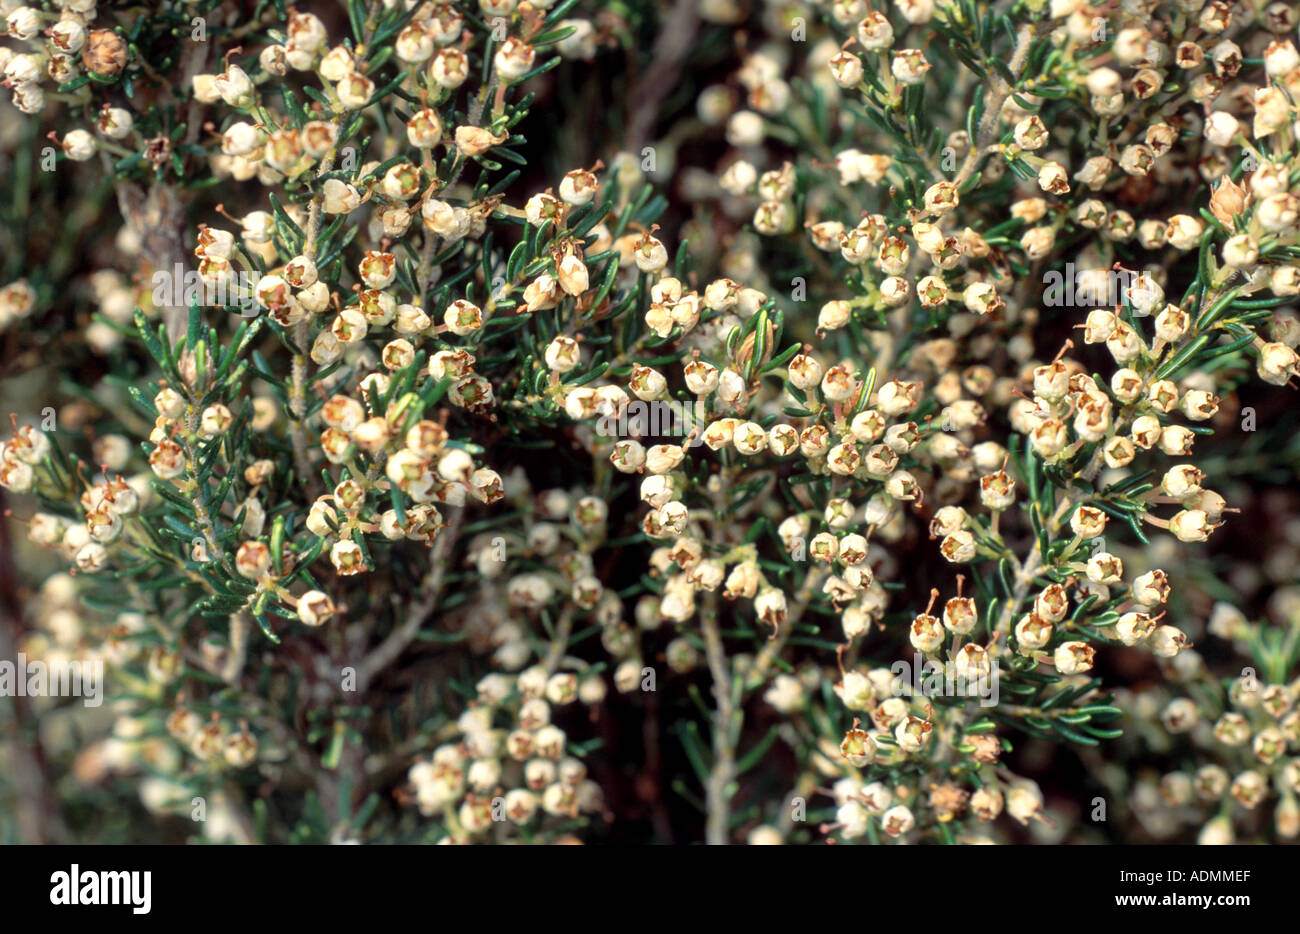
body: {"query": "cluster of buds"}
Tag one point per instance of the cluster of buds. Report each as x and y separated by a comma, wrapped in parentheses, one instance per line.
(216, 744)
(509, 768)
(20, 456)
(59, 52)
(798, 446)
(17, 301)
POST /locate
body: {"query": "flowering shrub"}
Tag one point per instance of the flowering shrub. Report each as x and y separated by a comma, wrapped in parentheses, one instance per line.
(412, 482)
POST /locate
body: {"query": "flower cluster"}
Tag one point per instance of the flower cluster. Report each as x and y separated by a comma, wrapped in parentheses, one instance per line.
(940, 345)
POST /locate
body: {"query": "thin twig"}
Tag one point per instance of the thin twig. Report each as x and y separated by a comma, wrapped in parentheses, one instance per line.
(674, 42)
(993, 110)
(723, 772)
(419, 612)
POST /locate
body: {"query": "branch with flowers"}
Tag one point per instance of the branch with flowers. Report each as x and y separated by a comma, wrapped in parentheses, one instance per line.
(807, 456)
